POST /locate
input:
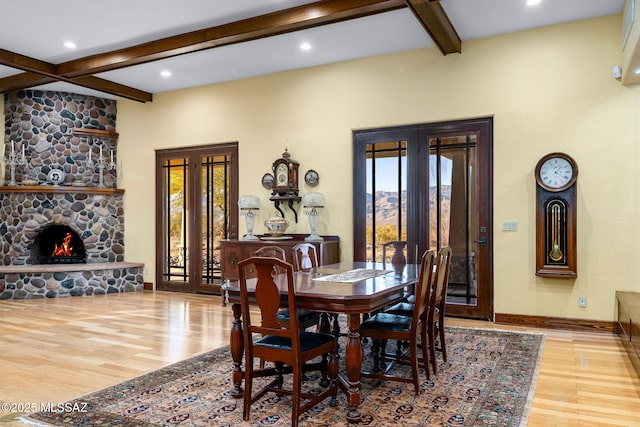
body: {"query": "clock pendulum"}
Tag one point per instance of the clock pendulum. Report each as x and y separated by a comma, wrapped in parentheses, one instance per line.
(556, 253)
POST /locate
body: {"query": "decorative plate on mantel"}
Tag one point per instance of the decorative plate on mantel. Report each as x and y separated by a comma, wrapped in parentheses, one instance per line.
(56, 176)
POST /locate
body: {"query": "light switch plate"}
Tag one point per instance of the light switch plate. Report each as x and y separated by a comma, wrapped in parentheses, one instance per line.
(509, 225)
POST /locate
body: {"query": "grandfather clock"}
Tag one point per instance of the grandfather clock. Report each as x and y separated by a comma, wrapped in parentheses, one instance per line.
(556, 175)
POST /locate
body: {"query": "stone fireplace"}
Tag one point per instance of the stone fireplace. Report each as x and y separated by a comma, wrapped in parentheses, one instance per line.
(95, 219)
(67, 239)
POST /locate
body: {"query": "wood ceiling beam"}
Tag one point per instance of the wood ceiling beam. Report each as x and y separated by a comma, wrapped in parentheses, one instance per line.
(272, 24)
(38, 73)
(81, 71)
(437, 24)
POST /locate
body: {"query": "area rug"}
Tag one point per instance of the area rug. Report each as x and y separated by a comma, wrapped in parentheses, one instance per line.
(489, 379)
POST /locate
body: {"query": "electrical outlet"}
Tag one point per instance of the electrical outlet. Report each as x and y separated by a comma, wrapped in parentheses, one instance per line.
(582, 301)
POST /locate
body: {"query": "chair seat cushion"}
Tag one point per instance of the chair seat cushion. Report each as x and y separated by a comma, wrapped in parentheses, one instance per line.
(401, 309)
(387, 322)
(308, 340)
(303, 315)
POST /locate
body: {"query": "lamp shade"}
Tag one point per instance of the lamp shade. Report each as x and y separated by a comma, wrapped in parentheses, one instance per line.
(249, 202)
(313, 199)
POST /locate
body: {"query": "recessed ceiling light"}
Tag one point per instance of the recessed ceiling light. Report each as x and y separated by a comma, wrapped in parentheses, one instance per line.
(165, 73)
(70, 45)
(636, 71)
(532, 2)
(305, 46)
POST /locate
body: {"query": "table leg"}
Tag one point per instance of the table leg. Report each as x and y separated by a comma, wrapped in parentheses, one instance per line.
(237, 350)
(353, 365)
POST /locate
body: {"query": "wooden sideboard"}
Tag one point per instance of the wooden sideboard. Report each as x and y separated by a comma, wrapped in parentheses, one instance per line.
(629, 324)
(234, 251)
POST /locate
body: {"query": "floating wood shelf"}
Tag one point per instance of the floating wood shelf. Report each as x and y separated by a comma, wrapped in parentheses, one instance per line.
(58, 189)
(98, 133)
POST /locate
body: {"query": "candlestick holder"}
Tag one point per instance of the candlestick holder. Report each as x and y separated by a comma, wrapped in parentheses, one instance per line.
(101, 163)
(14, 159)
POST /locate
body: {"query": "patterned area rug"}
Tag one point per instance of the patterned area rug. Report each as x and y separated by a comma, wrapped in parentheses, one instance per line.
(489, 379)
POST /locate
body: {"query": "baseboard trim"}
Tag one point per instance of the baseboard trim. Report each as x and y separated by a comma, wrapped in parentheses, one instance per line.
(583, 325)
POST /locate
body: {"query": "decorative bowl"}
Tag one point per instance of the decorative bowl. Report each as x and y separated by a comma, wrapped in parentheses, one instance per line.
(276, 226)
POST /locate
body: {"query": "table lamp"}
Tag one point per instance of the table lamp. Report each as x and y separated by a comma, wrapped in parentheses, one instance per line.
(312, 204)
(248, 206)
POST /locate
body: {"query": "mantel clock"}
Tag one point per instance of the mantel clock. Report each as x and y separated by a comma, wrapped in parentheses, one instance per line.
(556, 175)
(285, 173)
(285, 182)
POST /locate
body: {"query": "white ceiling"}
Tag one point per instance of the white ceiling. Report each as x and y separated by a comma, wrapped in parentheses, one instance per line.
(38, 29)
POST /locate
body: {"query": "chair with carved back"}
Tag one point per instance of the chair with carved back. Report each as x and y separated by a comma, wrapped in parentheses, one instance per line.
(288, 345)
(305, 258)
(435, 318)
(306, 318)
(271, 251)
(383, 326)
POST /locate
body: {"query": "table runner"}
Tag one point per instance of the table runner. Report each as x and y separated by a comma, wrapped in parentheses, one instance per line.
(351, 275)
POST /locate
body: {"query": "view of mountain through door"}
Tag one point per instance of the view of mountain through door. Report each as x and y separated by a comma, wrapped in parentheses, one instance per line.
(430, 185)
(194, 211)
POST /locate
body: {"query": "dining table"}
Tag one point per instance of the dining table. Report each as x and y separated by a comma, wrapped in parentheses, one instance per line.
(350, 288)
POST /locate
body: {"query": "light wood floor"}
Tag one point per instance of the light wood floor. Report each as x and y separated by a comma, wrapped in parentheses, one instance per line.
(54, 350)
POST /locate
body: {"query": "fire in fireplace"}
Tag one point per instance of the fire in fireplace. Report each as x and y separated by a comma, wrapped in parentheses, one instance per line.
(58, 244)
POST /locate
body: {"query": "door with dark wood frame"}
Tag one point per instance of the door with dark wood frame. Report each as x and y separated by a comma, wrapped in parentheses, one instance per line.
(196, 190)
(430, 184)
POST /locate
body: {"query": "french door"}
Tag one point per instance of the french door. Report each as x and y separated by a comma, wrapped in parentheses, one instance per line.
(195, 209)
(430, 184)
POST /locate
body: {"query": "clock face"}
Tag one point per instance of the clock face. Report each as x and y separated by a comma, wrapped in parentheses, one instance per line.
(282, 175)
(556, 172)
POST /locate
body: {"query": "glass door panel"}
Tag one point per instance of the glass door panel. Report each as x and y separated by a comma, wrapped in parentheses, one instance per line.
(175, 176)
(214, 206)
(386, 189)
(454, 210)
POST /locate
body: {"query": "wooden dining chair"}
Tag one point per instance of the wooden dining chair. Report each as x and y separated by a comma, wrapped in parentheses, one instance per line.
(271, 251)
(385, 326)
(289, 346)
(306, 318)
(435, 318)
(305, 257)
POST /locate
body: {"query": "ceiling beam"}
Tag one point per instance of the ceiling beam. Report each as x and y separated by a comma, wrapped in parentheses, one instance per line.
(81, 71)
(40, 72)
(437, 24)
(272, 24)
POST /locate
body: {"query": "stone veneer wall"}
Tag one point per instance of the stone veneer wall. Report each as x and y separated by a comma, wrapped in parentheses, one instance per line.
(42, 121)
(97, 218)
(72, 283)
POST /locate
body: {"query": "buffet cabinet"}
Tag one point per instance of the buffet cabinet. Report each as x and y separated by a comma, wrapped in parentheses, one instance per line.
(234, 251)
(629, 325)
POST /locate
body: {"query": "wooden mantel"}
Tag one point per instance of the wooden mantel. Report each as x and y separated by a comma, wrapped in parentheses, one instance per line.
(58, 189)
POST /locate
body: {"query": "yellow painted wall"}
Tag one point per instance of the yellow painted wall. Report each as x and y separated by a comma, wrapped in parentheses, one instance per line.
(548, 89)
